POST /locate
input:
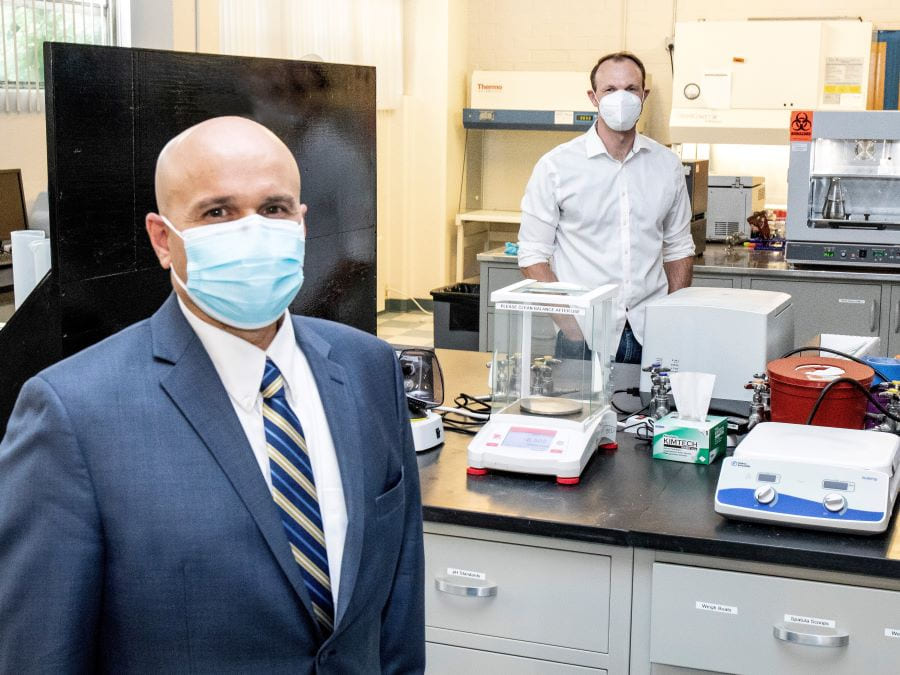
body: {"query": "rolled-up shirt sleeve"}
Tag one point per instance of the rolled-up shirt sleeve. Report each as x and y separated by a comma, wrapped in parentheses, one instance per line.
(677, 240)
(540, 217)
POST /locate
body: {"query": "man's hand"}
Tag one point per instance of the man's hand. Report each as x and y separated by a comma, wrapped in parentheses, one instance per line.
(567, 324)
(679, 273)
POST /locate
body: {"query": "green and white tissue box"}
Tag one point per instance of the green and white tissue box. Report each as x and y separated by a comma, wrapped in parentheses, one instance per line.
(694, 441)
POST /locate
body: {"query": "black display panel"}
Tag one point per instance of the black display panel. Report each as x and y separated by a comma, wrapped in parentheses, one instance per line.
(109, 111)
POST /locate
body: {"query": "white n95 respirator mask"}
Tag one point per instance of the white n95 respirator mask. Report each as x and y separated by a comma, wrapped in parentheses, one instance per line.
(620, 110)
(245, 272)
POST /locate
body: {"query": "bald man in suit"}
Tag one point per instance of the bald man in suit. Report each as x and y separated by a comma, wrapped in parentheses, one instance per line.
(223, 487)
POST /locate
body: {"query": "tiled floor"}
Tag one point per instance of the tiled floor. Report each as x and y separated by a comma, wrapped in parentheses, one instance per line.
(413, 329)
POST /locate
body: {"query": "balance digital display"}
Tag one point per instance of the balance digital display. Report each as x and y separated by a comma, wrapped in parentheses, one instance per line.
(529, 439)
(583, 118)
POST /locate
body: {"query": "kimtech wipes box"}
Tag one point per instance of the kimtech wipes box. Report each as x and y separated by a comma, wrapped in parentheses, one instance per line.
(694, 441)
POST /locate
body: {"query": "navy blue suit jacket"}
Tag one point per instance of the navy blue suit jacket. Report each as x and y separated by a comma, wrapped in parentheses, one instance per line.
(137, 533)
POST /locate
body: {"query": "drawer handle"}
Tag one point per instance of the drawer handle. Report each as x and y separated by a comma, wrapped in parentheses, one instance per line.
(810, 639)
(897, 325)
(469, 589)
(874, 326)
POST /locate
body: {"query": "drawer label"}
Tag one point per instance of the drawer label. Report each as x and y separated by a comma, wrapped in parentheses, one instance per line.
(892, 632)
(851, 301)
(809, 621)
(468, 574)
(545, 309)
(715, 607)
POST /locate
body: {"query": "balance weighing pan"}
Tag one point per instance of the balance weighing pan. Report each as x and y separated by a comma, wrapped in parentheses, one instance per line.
(550, 406)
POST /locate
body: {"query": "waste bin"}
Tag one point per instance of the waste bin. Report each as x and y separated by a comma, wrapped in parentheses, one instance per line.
(456, 316)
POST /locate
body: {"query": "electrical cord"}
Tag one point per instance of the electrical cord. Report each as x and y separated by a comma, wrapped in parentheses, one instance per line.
(461, 411)
(855, 383)
(469, 415)
(647, 429)
(631, 391)
(839, 353)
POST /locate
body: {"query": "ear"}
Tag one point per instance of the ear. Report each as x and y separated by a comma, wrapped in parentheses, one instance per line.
(646, 94)
(158, 232)
(593, 97)
(303, 219)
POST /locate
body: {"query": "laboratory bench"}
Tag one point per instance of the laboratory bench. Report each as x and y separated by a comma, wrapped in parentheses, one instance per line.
(826, 300)
(632, 571)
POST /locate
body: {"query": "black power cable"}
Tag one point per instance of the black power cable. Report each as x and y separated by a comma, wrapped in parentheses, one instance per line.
(454, 421)
(633, 391)
(855, 383)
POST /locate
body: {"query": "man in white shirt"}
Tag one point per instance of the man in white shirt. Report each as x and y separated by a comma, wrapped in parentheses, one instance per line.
(223, 487)
(610, 206)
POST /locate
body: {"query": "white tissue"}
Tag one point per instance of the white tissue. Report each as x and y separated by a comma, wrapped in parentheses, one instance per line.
(23, 263)
(692, 392)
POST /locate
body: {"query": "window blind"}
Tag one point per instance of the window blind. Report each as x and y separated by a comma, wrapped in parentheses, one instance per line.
(26, 24)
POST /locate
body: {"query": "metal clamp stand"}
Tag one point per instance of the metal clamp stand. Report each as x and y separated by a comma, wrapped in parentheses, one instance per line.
(659, 390)
(759, 404)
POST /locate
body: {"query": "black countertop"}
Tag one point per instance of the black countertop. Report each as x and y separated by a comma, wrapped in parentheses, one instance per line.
(628, 498)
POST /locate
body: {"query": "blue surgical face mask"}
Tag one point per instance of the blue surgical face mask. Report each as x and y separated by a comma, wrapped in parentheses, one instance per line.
(243, 273)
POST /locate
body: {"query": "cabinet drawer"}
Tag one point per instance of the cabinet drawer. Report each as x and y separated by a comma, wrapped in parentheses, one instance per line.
(500, 277)
(448, 660)
(712, 281)
(726, 621)
(543, 596)
(829, 307)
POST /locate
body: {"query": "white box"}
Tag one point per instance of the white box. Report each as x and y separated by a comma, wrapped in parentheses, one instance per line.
(730, 332)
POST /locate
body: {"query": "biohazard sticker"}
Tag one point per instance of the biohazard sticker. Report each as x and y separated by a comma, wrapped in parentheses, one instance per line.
(801, 125)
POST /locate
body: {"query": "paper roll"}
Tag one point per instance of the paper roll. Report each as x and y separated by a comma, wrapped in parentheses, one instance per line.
(40, 251)
(23, 263)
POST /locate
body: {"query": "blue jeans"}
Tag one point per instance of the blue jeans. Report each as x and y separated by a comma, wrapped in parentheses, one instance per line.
(629, 350)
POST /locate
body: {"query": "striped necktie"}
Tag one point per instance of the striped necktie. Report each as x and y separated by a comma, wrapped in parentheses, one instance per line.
(294, 491)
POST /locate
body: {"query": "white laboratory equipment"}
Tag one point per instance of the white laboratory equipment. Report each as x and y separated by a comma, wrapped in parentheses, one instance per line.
(730, 332)
(549, 410)
(815, 477)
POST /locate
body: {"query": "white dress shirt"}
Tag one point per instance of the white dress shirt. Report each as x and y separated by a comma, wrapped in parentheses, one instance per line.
(599, 221)
(240, 366)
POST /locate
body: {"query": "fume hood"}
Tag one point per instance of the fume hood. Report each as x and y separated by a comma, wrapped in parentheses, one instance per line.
(738, 81)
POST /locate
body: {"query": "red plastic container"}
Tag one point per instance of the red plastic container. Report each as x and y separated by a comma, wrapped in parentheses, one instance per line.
(797, 381)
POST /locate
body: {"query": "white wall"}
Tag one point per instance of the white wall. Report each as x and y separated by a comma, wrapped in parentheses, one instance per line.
(23, 145)
(420, 151)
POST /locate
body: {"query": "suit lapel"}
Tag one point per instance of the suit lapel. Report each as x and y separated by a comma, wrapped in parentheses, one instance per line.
(195, 388)
(345, 427)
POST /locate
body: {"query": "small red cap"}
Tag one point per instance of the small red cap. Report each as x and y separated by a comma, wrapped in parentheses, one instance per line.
(568, 481)
(475, 471)
(610, 446)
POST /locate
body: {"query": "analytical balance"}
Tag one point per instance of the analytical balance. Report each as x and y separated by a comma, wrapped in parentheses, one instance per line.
(815, 477)
(550, 409)
(844, 190)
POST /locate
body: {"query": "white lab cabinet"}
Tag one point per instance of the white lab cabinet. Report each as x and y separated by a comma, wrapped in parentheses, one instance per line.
(830, 307)
(734, 622)
(524, 603)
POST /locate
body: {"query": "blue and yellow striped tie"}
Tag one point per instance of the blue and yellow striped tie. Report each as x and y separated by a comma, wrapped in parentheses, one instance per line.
(294, 491)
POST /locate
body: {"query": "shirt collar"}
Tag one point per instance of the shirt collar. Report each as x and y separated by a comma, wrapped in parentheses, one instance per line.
(239, 364)
(594, 144)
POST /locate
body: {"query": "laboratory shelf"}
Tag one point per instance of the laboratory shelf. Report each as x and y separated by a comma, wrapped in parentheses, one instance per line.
(489, 216)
